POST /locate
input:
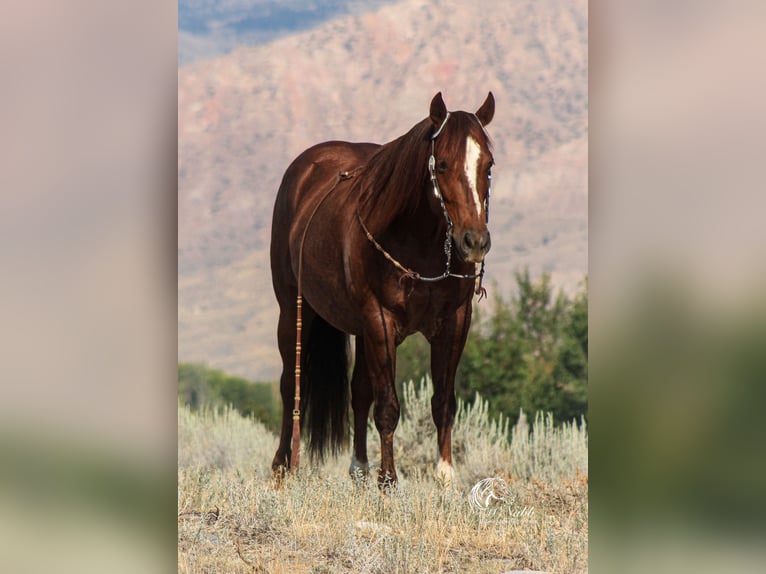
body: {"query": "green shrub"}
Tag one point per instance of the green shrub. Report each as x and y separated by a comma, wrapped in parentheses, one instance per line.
(200, 387)
(483, 445)
(528, 353)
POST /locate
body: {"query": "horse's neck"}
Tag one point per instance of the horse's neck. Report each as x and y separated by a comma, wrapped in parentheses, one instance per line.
(423, 226)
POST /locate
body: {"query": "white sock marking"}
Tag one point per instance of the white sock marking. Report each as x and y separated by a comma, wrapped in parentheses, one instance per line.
(444, 472)
(472, 154)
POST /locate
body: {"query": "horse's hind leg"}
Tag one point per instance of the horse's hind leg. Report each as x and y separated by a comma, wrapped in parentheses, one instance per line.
(361, 399)
(286, 338)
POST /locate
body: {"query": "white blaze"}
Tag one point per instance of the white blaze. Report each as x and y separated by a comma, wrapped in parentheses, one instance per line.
(472, 154)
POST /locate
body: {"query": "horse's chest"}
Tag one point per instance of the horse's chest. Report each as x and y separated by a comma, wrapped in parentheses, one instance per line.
(424, 308)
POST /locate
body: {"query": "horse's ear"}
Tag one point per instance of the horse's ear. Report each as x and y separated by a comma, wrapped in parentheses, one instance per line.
(438, 110)
(487, 110)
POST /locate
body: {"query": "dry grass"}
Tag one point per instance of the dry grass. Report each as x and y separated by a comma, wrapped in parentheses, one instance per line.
(232, 518)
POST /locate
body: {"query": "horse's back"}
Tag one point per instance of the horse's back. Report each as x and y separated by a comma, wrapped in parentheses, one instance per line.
(319, 164)
(306, 181)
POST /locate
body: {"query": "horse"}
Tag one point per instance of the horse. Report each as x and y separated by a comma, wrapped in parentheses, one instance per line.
(379, 242)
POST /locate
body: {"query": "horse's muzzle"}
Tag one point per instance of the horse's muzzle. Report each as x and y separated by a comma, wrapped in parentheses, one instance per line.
(474, 245)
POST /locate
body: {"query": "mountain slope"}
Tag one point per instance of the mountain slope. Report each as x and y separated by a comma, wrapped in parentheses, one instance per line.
(211, 28)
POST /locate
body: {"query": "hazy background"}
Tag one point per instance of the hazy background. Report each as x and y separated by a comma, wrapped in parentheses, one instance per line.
(677, 315)
(88, 291)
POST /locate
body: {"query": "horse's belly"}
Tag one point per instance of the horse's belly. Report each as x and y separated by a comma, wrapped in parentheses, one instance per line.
(326, 285)
(333, 309)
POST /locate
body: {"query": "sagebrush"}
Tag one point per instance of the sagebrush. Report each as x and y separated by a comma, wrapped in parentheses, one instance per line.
(233, 518)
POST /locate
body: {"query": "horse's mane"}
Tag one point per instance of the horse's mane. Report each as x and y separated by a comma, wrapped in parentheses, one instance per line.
(393, 180)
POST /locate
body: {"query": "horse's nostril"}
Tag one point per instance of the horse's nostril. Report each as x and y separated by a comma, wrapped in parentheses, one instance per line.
(476, 240)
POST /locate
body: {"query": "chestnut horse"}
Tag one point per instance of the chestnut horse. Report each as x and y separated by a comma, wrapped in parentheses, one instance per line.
(378, 241)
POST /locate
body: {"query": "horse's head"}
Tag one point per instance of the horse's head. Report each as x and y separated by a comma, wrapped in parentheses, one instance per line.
(460, 166)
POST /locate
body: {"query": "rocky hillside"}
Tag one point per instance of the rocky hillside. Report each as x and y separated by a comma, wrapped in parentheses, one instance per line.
(370, 77)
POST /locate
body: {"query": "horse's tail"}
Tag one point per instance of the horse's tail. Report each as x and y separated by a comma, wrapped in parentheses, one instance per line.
(326, 388)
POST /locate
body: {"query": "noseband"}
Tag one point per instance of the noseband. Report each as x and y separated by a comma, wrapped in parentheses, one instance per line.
(479, 290)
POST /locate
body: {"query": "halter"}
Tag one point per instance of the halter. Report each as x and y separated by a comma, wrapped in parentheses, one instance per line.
(479, 290)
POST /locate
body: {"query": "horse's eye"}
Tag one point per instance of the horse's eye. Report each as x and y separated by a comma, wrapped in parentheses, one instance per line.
(441, 166)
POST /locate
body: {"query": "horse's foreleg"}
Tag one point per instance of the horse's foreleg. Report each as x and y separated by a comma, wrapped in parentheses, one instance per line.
(380, 356)
(361, 399)
(446, 348)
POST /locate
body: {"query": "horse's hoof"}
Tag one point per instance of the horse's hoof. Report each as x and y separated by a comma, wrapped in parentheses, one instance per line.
(387, 481)
(278, 476)
(444, 474)
(279, 469)
(358, 471)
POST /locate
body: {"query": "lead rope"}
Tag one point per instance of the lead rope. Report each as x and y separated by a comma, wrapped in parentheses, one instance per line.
(295, 455)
